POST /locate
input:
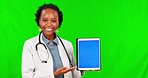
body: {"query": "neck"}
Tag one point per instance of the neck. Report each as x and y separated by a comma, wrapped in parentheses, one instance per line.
(50, 37)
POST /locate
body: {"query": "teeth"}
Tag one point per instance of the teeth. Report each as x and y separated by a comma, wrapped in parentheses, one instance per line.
(48, 29)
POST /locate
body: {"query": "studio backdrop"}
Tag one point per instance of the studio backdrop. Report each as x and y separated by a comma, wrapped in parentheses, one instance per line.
(121, 25)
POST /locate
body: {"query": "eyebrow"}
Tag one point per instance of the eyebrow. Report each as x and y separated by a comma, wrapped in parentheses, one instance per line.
(47, 18)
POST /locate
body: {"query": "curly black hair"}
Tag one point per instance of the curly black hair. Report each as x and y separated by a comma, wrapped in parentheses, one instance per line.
(45, 6)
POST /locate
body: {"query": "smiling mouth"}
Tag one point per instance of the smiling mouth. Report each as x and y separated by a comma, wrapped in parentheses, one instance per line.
(49, 29)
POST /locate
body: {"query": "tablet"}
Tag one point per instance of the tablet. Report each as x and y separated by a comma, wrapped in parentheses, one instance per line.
(88, 53)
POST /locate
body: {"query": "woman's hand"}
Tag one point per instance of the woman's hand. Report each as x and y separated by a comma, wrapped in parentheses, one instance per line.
(97, 70)
(63, 70)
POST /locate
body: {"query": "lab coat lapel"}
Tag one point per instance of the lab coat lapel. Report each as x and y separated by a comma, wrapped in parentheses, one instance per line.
(64, 59)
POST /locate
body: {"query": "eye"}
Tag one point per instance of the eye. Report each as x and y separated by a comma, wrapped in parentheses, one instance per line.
(45, 20)
(53, 20)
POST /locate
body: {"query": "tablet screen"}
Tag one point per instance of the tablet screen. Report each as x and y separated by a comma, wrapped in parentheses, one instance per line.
(88, 53)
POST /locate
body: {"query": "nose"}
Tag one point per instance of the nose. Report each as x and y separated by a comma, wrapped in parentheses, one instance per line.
(48, 23)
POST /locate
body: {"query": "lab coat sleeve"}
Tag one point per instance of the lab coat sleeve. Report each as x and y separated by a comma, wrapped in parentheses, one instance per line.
(27, 62)
(75, 73)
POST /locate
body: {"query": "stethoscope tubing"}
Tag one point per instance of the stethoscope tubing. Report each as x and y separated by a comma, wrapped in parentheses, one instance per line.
(45, 61)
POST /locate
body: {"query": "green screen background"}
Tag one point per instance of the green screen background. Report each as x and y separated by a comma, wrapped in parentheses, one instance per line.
(122, 26)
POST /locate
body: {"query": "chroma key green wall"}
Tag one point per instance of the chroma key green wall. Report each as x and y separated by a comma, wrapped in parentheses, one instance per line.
(122, 26)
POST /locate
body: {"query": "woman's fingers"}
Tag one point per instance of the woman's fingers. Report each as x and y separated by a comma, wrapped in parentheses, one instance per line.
(69, 69)
(74, 67)
(63, 70)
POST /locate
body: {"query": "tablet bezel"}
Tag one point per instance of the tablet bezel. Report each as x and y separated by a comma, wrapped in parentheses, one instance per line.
(77, 45)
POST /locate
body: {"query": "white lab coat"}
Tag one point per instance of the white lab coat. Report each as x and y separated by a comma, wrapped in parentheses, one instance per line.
(32, 66)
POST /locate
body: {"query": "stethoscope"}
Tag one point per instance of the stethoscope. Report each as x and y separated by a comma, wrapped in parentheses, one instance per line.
(45, 61)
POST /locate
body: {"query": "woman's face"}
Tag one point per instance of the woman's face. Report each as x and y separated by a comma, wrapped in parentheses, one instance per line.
(49, 22)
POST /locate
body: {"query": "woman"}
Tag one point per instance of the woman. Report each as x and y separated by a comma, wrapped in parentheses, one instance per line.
(47, 55)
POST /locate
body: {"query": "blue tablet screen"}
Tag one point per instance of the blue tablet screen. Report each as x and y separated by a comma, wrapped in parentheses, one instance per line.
(89, 54)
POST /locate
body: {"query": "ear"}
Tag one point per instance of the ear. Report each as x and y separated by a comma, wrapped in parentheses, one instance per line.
(39, 22)
(58, 24)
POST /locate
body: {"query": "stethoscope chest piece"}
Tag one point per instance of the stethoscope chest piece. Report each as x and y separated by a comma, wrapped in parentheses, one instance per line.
(43, 61)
